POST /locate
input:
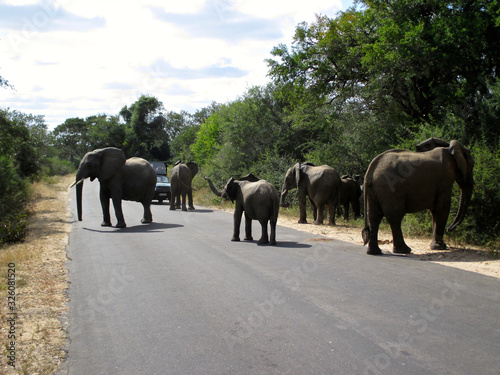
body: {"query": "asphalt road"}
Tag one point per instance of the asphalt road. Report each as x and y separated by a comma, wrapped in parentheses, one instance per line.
(177, 297)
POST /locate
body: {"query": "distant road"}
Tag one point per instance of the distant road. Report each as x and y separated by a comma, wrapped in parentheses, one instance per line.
(177, 297)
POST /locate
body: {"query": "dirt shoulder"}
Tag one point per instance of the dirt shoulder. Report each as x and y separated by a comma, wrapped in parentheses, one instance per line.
(472, 259)
(41, 284)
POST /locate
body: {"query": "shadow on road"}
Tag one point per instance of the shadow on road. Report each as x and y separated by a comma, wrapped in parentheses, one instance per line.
(293, 245)
(143, 228)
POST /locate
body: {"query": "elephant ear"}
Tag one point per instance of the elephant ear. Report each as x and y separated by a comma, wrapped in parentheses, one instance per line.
(193, 167)
(297, 171)
(112, 160)
(230, 189)
(463, 158)
(431, 144)
(249, 177)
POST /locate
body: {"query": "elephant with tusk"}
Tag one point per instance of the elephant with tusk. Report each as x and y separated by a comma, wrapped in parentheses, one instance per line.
(131, 179)
(399, 182)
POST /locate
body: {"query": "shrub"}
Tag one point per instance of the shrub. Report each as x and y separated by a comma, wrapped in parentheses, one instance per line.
(14, 192)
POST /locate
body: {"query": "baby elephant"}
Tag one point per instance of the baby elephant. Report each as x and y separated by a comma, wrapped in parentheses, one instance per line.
(258, 199)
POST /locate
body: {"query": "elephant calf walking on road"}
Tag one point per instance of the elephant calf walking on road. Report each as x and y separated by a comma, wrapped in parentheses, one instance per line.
(181, 179)
(131, 179)
(399, 182)
(321, 184)
(258, 199)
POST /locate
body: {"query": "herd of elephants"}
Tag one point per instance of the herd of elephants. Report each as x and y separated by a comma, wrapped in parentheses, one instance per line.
(396, 182)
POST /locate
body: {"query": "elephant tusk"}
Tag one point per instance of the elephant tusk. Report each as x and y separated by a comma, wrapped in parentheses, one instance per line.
(77, 183)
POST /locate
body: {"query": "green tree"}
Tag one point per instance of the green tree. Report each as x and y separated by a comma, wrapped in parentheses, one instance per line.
(146, 134)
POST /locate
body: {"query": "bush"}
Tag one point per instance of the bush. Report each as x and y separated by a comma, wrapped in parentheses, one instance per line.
(14, 193)
(54, 166)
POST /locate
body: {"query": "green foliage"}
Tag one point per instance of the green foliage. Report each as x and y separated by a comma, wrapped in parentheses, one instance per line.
(14, 195)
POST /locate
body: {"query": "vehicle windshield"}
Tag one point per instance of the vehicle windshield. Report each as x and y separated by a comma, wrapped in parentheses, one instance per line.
(161, 178)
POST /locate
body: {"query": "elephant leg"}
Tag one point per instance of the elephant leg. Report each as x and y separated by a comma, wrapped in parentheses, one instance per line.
(439, 218)
(331, 211)
(237, 222)
(248, 228)
(314, 209)
(355, 208)
(374, 221)
(319, 215)
(399, 245)
(302, 209)
(178, 201)
(272, 224)
(346, 211)
(148, 216)
(173, 197)
(184, 208)
(264, 238)
(190, 200)
(117, 204)
(106, 219)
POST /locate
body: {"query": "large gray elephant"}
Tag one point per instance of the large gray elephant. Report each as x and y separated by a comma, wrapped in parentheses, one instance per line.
(350, 193)
(131, 179)
(322, 186)
(399, 182)
(181, 179)
(258, 199)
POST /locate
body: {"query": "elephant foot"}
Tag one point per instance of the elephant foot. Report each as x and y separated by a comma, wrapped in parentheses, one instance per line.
(438, 245)
(121, 225)
(106, 224)
(263, 241)
(302, 221)
(235, 239)
(146, 221)
(374, 251)
(316, 222)
(172, 208)
(191, 208)
(272, 243)
(404, 249)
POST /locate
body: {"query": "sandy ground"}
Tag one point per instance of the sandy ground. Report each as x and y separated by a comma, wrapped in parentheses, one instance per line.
(467, 258)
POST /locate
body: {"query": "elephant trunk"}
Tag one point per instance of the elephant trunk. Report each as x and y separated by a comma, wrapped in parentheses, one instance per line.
(465, 197)
(282, 198)
(213, 188)
(79, 190)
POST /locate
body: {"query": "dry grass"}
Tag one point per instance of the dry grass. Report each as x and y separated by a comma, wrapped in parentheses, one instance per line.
(41, 284)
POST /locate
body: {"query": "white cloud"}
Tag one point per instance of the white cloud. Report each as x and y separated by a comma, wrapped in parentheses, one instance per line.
(94, 56)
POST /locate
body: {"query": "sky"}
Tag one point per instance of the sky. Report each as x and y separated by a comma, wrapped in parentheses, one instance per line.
(78, 58)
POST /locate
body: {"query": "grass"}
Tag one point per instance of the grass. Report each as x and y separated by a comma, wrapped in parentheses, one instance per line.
(41, 281)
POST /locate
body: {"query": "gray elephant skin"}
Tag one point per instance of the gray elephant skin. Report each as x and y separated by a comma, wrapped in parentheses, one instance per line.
(399, 182)
(120, 179)
(350, 194)
(181, 179)
(258, 199)
(321, 184)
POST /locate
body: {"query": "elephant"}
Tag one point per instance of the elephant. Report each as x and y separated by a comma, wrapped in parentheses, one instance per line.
(350, 192)
(258, 199)
(181, 178)
(322, 186)
(400, 181)
(131, 179)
